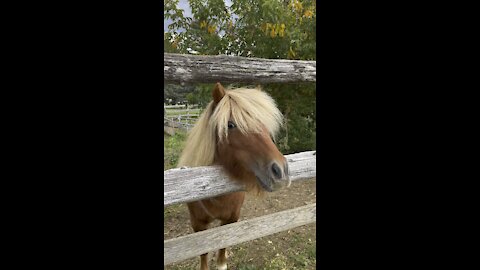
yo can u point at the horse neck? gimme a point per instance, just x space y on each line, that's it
237 172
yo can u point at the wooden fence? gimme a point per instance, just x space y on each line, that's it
183 185
179 117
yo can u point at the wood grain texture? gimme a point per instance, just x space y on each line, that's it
185 247
193 184
181 68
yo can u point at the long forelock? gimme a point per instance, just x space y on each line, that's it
199 149
249 109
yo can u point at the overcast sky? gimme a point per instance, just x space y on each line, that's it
187 12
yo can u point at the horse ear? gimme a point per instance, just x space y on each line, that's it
218 92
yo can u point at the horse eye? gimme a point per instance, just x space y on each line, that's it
231 125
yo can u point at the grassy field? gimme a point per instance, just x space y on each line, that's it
172 148
172 112
293 249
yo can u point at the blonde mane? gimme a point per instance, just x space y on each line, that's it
249 109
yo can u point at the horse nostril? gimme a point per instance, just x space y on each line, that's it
277 172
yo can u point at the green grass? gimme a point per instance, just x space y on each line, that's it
247 267
171 211
172 148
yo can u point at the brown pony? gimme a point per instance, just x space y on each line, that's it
235 131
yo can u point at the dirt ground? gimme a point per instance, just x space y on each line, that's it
292 249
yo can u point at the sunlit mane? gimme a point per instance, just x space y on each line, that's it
249 109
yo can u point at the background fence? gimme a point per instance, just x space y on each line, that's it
179 116
191 184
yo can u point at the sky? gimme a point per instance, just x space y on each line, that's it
187 12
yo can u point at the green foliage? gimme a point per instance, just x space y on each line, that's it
297 104
258 28
274 29
202 95
176 92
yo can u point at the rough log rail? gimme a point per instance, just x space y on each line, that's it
192 184
185 247
180 68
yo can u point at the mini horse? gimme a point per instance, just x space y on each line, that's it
235 131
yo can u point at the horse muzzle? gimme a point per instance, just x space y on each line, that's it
273 177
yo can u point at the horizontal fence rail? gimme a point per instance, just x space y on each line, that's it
191 106
176 123
193 184
193 111
181 68
185 247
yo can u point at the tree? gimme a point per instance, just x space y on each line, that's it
258 28
176 93
272 29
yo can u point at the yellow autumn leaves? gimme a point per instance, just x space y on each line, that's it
291 54
308 13
297 7
274 29
210 28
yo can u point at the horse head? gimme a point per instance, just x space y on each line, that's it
245 122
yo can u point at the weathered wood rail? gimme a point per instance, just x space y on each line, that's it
193 184
184 247
181 68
